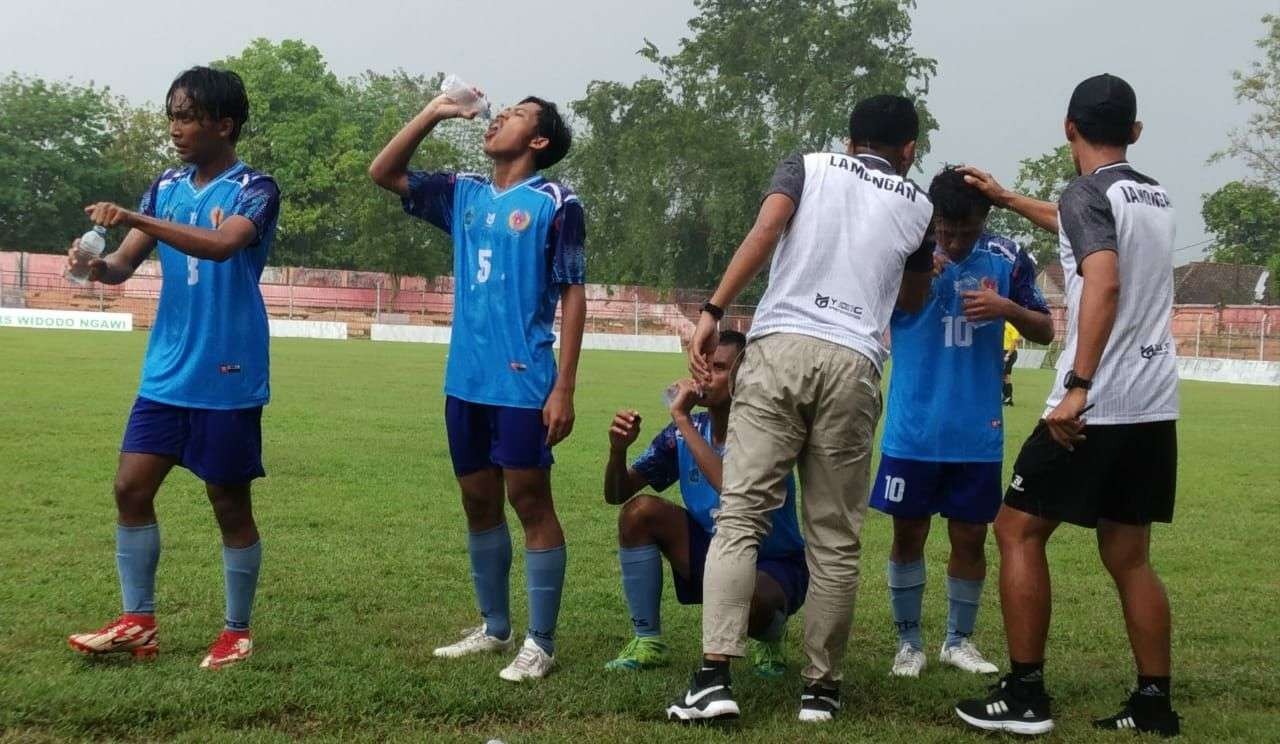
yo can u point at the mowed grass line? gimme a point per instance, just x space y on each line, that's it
366 571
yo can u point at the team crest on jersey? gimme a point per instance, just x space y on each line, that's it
518 221
989 283
469 217
215 217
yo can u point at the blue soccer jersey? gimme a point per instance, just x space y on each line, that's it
208 347
944 389
513 250
669 459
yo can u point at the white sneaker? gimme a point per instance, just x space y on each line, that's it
909 661
967 658
531 663
475 641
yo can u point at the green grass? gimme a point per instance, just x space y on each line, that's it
365 572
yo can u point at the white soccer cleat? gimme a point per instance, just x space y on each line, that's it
132 634
476 641
909 662
967 658
531 663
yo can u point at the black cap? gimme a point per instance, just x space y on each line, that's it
1104 101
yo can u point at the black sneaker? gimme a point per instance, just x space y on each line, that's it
1135 716
1008 401
819 703
1003 710
709 698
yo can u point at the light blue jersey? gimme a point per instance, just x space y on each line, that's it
944 390
513 250
208 347
669 459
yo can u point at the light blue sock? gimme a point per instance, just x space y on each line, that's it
137 555
490 553
544 580
964 597
240 567
906 595
642 585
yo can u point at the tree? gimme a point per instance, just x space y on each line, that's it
1259 143
1043 178
671 169
1245 222
63 146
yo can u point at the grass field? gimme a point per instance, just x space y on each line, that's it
365 572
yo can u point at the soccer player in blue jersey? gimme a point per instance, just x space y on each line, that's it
205 376
943 442
518 252
690 451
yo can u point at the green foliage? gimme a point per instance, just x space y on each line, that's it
1258 144
63 146
1043 178
673 168
1245 221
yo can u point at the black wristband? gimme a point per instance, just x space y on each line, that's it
715 311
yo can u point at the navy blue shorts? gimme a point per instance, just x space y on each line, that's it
483 436
914 489
790 571
221 447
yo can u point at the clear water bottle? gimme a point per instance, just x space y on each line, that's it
672 392
92 245
464 94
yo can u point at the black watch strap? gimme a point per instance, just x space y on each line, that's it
1076 381
714 311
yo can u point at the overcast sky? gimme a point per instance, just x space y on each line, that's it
1005 67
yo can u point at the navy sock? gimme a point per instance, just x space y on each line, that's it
1027 678
137 555
1153 692
544 580
712 673
906 596
240 569
490 552
642 585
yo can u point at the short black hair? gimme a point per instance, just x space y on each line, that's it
217 94
953 199
733 337
884 121
550 125
1104 109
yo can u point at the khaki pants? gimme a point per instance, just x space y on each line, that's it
812 403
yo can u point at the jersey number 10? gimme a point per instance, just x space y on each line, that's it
956 331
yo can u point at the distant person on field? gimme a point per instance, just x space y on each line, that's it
943 445
690 451
1117 473
1011 338
517 254
205 376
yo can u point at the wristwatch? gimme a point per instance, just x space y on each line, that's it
715 311
1076 381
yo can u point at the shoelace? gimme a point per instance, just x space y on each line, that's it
225 645
526 658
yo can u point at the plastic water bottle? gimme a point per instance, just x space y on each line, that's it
464 94
92 245
672 392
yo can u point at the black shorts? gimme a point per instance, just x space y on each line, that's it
1010 359
1124 473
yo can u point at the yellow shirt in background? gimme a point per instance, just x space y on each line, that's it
1011 336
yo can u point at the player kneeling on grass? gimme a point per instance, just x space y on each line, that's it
943 439
205 376
518 252
691 451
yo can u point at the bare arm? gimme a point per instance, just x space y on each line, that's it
219 244
620 481
751 256
1099 299
557 413
1034 325
1043 214
914 291
390 169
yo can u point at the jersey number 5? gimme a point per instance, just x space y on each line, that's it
193 271
486 267
956 331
